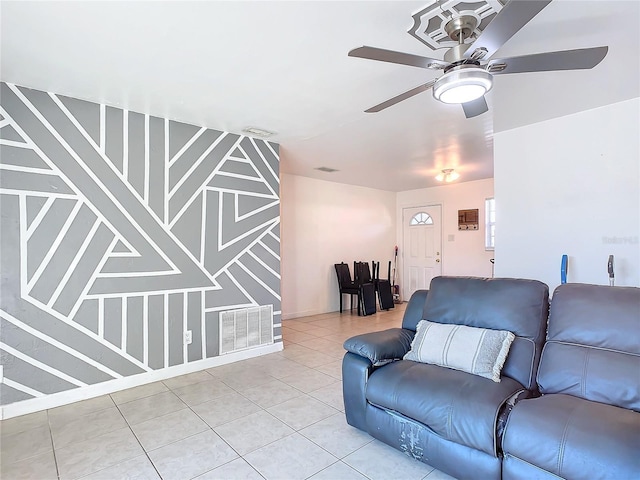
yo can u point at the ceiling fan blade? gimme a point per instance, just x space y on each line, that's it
513 16
390 56
475 107
579 59
401 97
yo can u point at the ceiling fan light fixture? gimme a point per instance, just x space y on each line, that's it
462 84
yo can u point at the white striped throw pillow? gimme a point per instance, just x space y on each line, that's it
479 351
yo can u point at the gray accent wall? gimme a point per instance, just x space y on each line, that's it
119 231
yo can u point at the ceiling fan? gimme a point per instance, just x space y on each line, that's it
469 67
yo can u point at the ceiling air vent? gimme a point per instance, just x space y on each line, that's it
326 169
258 132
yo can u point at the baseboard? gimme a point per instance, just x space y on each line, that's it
305 313
111 386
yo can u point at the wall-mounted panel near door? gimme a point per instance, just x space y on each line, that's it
422 252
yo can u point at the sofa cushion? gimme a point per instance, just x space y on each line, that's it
574 438
593 347
516 305
455 405
479 351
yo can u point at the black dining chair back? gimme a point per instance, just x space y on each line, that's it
346 285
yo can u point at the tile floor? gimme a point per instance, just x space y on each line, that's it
279 416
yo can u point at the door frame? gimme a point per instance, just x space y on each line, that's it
402 258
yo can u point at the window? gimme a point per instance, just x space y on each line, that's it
490 223
421 218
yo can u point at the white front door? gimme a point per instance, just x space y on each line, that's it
422 252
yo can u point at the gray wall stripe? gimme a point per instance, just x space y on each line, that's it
194 322
190 156
188 228
156 166
50 355
136 157
239 184
212 330
193 181
45 234
156 331
33 377
240 168
11 395
176 330
87 113
263 254
21 156
83 271
113 321
65 253
181 133
87 315
114 131
134 327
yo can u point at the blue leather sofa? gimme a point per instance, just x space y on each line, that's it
455 421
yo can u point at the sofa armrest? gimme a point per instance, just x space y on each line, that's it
381 347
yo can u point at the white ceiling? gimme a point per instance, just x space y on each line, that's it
283 66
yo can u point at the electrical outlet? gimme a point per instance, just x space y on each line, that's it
188 337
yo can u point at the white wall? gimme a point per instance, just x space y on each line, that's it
571 186
463 252
324 223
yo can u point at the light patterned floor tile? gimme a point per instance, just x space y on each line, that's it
336 436
225 409
188 379
40 467
291 458
150 407
237 470
21 445
97 453
331 395
63 414
137 468
338 471
161 431
253 431
24 422
381 462
272 393
301 412
136 393
192 456
203 391
87 426
313 380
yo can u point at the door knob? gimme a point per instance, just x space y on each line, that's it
437 260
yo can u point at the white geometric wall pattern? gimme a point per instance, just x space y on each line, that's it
119 231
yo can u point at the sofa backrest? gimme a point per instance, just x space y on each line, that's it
517 305
593 345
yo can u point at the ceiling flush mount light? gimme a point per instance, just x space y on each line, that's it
258 132
462 84
447 175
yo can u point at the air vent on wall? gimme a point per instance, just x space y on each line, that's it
326 169
246 328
